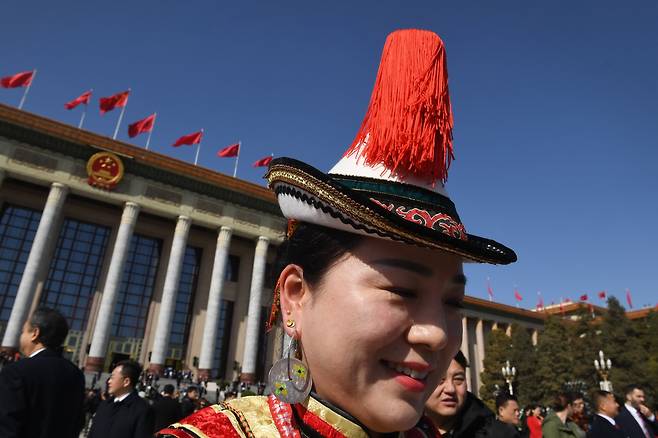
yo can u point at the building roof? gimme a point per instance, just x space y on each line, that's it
66 139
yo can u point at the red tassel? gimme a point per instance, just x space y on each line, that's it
408 125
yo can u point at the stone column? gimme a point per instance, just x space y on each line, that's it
479 339
169 291
535 336
103 325
25 294
464 349
213 310
508 330
253 313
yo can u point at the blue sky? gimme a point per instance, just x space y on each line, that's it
556 108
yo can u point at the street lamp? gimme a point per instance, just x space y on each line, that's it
509 373
603 367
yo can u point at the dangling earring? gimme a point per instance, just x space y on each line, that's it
289 377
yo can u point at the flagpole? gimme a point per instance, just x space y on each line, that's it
123 110
237 157
196 158
84 112
82 118
148 139
27 89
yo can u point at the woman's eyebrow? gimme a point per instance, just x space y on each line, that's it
408 265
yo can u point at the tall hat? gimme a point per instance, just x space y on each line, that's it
390 181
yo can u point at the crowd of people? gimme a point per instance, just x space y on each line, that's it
454 412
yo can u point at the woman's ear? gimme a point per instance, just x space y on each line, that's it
292 295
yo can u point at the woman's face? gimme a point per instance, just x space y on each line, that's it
379 330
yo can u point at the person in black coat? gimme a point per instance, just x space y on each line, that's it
454 411
167 409
42 395
635 412
125 414
603 423
190 403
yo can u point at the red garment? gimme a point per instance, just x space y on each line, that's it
119 100
18 80
534 424
83 98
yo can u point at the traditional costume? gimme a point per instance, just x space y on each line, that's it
389 184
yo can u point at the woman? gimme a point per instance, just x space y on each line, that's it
533 420
371 280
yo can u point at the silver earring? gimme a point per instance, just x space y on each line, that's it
289 378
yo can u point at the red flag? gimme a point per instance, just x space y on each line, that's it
189 139
23 79
602 295
517 295
583 297
489 290
140 126
229 151
540 301
263 162
83 98
628 298
119 100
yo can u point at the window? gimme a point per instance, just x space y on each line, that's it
232 268
17 229
223 339
180 325
137 286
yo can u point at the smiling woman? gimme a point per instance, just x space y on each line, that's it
371 282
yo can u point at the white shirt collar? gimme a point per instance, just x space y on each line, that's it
34 353
611 420
631 409
121 398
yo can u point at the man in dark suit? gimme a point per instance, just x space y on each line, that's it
603 423
42 395
125 414
167 409
634 417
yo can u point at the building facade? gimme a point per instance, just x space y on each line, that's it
152 258
165 262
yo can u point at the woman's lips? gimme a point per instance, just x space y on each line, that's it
402 373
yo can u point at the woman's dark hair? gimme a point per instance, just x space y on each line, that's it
315 249
52 326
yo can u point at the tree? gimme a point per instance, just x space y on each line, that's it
647 329
584 345
498 348
523 356
554 360
623 346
